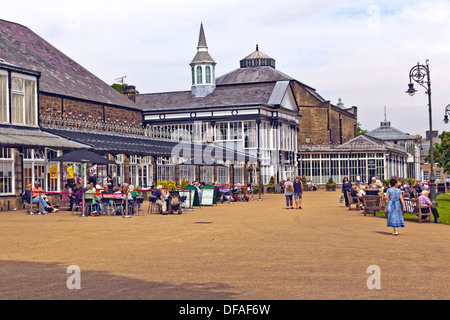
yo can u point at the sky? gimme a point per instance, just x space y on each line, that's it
359 51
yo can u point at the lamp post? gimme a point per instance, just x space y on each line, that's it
421 75
447 112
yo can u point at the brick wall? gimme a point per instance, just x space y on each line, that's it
76 109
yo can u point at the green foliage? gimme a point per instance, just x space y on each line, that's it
331 182
441 152
183 184
170 184
118 87
360 131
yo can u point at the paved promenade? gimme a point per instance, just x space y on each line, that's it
255 250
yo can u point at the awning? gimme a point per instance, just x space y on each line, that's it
34 138
83 156
117 143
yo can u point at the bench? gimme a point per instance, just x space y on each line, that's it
373 203
353 201
413 206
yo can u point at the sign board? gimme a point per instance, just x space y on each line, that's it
207 197
189 194
371 164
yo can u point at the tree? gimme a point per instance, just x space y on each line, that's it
360 131
441 152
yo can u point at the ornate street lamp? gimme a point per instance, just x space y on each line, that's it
421 75
447 112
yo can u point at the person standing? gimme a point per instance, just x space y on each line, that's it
288 193
298 192
395 207
346 186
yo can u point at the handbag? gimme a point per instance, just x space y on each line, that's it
290 187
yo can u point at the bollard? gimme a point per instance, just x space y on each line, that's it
126 208
40 203
83 205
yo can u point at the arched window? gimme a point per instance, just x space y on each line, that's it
208 74
199 75
193 75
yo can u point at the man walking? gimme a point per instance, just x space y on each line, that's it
298 192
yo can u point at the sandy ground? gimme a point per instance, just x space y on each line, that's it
244 251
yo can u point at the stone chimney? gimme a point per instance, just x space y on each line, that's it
129 92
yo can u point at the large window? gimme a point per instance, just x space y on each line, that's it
6 171
23 101
4 98
141 171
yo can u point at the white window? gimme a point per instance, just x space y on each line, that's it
207 174
208 74
199 75
223 175
6 171
23 100
187 173
4 109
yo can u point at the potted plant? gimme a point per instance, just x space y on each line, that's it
331 185
270 185
304 183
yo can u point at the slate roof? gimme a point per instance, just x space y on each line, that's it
60 74
362 143
262 74
220 97
117 143
34 138
389 133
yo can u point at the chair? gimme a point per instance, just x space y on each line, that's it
152 204
106 203
118 204
138 205
353 201
89 203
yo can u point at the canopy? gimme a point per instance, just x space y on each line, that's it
192 162
83 156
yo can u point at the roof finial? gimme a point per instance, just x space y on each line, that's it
257 49
385 113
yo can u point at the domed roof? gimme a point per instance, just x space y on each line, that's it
257 59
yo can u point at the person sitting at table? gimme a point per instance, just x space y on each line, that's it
160 198
117 194
107 193
66 196
45 204
166 194
127 195
91 194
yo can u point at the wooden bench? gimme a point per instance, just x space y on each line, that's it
373 203
353 201
413 206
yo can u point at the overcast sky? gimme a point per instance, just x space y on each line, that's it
360 51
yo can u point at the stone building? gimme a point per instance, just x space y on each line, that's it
260 109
